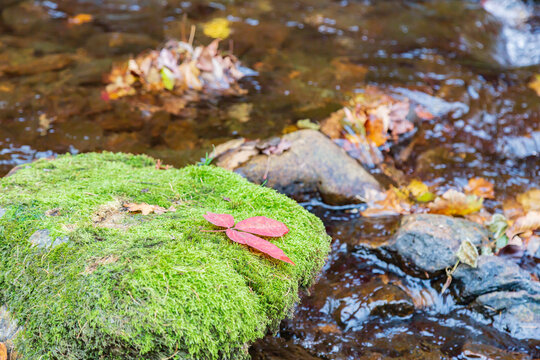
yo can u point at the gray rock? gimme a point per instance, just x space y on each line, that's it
313 163
522 321
42 239
503 300
8 326
427 243
493 273
520 147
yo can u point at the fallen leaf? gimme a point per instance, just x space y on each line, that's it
218 28
3 351
467 253
273 148
453 202
394 203
167 77
307 124
233 159
80 19
480 187
146 209
420 191
256 242
240 112
223 220
422 113
530 200
44 124
261 225
524 224
535 84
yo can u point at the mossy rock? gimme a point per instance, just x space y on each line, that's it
118 285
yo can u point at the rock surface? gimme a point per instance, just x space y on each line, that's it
313 163
427 243
42 239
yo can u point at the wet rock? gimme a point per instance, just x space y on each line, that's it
433 104
482 351
42 239
122 118
89 72
313 163
520 147
38 65
179 135
427 244
493 273
24 17
504 290
115 43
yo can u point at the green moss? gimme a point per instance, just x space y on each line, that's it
146 287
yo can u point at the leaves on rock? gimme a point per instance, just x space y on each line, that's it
498 226
480 187
243 232
454 202
420 191
467 253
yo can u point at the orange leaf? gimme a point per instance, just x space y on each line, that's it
147 209
394 203
80 19
453 202
480 187
524 224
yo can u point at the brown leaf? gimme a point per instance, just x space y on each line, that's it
394 203
480 187
146 209
524 224
453 202
233 159
332 126
103 261
530 200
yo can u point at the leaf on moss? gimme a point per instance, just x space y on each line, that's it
467 253
222 220
218 28
453 202
256 242
261 225
147 209
480 187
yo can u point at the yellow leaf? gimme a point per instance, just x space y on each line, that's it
218 28
147 209
453 202
535 84
524 224
420 191
480 187
80 19
467 253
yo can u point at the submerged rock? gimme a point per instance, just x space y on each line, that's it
427 244
312 164
157 286
520 147
24 17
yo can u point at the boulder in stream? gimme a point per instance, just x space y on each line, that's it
125 285
313 163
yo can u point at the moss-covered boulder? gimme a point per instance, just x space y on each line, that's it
87 279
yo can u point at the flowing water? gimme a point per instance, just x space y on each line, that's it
310 55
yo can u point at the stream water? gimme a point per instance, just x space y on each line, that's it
310 55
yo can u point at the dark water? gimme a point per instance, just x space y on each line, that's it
311 55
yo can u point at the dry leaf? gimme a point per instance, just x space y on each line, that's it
218 28
467 253
420 191
453 202
530 200
233 159
44 124
394 203
147 209
3 351
525 224
480 187
535 84
80 19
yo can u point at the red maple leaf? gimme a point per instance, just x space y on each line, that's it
243 232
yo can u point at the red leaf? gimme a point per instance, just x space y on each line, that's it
259 244
261 225
223 220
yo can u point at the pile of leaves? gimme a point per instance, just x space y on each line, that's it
179 73
368 122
